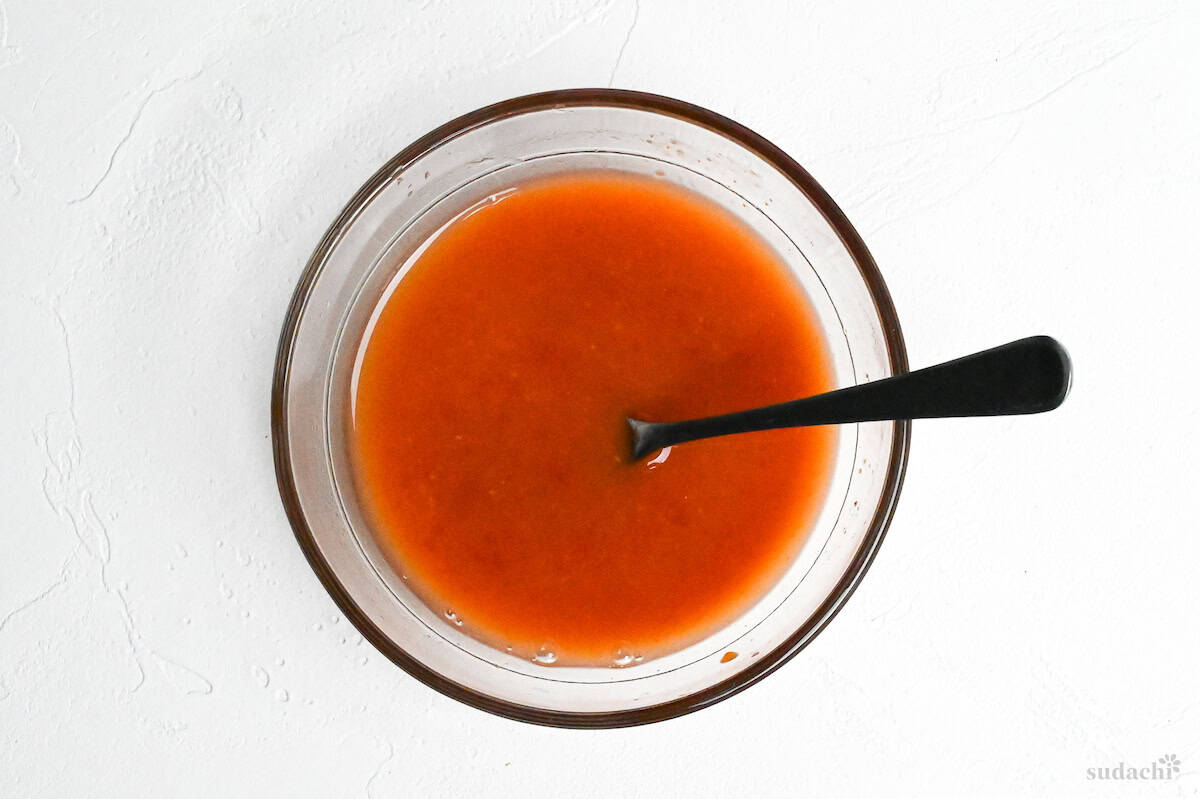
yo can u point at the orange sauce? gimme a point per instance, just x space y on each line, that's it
489 441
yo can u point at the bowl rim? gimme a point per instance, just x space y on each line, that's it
869 271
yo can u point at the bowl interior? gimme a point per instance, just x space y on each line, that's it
381 233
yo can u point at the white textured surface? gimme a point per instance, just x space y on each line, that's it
166 168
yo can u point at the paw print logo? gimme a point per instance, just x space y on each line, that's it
1170 763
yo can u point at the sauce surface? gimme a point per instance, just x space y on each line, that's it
488 434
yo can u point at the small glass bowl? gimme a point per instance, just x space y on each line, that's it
462 164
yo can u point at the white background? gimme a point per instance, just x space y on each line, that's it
1016 168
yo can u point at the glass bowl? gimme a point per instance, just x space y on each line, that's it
462 164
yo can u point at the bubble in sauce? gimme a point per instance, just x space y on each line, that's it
624 659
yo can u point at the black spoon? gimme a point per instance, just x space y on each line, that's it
1031 375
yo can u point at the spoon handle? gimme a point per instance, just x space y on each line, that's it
1030 375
